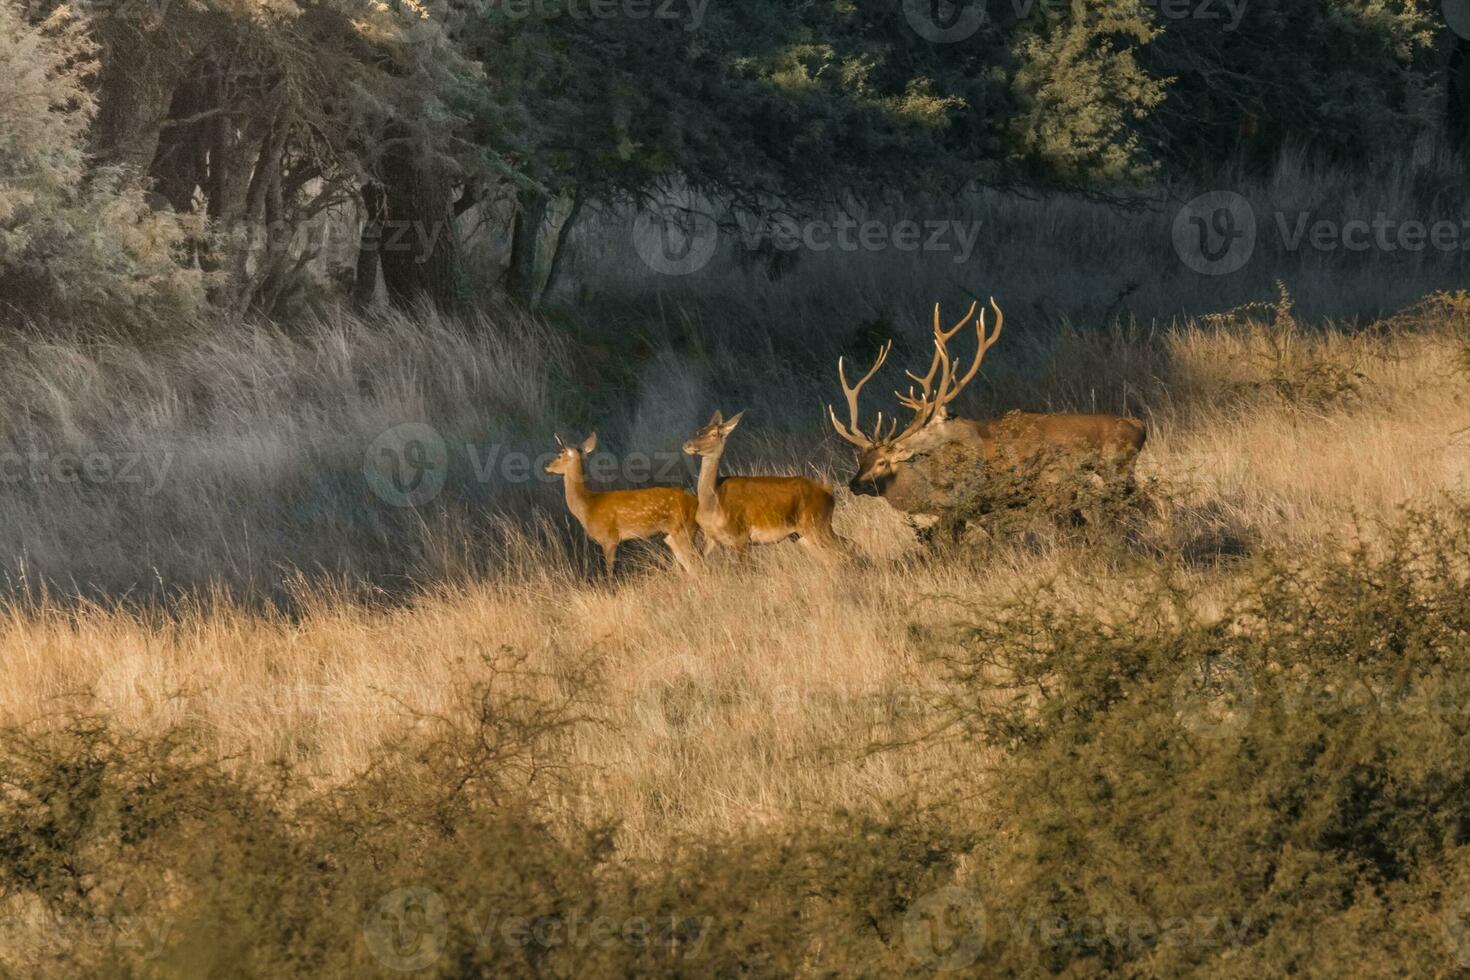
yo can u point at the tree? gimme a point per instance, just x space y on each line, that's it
1342 77
66 236
773 109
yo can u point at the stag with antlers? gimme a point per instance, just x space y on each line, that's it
937 460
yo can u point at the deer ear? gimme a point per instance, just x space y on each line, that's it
590 443
715 419
733 420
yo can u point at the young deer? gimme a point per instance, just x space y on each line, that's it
742 510
614 516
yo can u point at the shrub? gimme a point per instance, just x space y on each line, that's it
1183 790
147 856
1278 786
66 236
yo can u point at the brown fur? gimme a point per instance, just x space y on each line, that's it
613 516
931 464
743 510
1013 443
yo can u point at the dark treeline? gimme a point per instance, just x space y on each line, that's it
173 151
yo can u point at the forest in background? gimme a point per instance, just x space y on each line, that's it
265 156
271 710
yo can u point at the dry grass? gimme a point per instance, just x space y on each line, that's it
744 697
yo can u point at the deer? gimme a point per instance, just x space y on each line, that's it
739 511
937 460
611 517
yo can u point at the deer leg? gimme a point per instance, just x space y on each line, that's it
682 545
826 546
610 558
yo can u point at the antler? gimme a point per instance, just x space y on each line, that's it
934 405
853 432
941 356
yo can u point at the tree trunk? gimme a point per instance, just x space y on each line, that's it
538 233
369 253
561 229
135 87
525 243
1457 96
420 252
181 162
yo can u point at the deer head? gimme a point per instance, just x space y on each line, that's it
882 454
710 440
567 456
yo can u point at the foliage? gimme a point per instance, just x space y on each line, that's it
1349 79
1173 791
179 867
1191 785
68 236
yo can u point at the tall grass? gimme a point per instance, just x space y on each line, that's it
1055 258
365 682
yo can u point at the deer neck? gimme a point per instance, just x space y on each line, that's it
709 471
579 498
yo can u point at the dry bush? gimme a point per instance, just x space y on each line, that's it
1214 786
1170 783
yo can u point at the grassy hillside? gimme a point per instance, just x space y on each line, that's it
309 670
256 647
